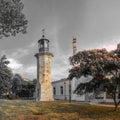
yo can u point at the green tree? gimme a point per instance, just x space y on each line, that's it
5 77
103 66
12 20
17 85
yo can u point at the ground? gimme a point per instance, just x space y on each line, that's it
57 110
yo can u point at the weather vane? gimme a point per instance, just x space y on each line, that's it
43 30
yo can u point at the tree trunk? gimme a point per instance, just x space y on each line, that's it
115 102
116 107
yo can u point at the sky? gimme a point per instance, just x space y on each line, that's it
94 23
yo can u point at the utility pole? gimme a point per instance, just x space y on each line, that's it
64 90
69 90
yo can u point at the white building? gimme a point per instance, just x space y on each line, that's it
64 90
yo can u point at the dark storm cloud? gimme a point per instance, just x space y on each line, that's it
95 24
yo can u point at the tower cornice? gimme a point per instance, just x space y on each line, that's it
44 53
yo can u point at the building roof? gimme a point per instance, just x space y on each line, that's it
61 80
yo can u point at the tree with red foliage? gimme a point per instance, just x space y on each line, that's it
103 66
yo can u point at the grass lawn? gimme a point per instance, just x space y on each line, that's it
31 110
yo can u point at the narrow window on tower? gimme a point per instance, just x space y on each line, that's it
54 90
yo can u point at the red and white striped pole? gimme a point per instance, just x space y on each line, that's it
74 43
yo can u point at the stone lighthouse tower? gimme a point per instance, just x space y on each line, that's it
44 58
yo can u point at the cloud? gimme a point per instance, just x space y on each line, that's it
30 70
60 67
110 47
14 64
23 51
19 53
109 44
62 73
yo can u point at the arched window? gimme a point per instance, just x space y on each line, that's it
61 89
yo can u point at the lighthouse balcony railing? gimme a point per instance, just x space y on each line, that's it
43 49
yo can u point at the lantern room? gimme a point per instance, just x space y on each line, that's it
43 44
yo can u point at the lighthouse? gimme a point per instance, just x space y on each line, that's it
44 88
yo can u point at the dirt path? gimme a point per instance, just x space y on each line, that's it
95 103
106 105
